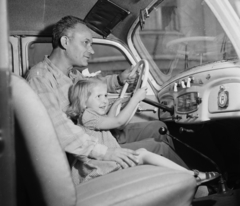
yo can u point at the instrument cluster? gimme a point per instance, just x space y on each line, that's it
209 93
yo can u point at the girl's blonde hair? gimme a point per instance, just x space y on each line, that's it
78 95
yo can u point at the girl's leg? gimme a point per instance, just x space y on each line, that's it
146 157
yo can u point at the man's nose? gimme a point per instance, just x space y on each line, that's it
90 50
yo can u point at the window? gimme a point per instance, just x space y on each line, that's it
108 59
37 51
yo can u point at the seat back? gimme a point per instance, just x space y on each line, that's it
42 164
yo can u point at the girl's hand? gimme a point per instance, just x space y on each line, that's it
140 94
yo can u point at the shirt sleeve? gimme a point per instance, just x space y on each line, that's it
90 119
112 83
111 80
73 138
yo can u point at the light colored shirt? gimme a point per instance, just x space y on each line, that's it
91 120
52 87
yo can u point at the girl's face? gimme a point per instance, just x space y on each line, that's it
98 100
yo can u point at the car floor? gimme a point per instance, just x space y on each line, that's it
230 198
221 144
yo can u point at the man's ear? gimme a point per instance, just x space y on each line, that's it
64 41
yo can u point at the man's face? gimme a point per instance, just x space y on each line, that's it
98 100
79 49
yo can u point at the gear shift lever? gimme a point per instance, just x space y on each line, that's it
222 183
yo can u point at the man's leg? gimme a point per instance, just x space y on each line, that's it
140 131
144 135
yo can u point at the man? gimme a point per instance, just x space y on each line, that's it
72 47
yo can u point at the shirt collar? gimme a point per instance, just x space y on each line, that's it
56 72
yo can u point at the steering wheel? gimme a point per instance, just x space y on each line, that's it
142 70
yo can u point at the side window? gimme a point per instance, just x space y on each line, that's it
37 51
108 59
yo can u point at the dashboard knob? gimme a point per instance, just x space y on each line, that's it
183 84
189 82
163 130
175 87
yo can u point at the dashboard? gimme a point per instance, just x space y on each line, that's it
205 93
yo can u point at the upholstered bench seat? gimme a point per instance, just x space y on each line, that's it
142 185
45 173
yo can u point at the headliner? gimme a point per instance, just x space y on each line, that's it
35 17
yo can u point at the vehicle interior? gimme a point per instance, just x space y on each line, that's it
192 50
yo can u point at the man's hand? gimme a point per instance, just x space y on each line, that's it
129 75
125 157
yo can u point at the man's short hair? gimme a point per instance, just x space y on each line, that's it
61 28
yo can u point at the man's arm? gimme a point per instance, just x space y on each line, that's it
72 138
113 85
111 80
116 82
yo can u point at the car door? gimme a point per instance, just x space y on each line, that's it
7 153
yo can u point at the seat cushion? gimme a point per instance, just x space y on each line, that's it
141 185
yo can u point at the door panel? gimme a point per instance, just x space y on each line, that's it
7 153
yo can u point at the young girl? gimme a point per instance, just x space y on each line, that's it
89 106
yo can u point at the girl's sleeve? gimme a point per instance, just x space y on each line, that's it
91 120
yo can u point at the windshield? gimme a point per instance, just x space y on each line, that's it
236 6
180 35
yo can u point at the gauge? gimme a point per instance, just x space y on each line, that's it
187 102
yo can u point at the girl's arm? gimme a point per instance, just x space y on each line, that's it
109 122
113 109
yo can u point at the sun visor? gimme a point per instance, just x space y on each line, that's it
104 16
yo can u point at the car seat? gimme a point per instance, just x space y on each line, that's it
44 177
